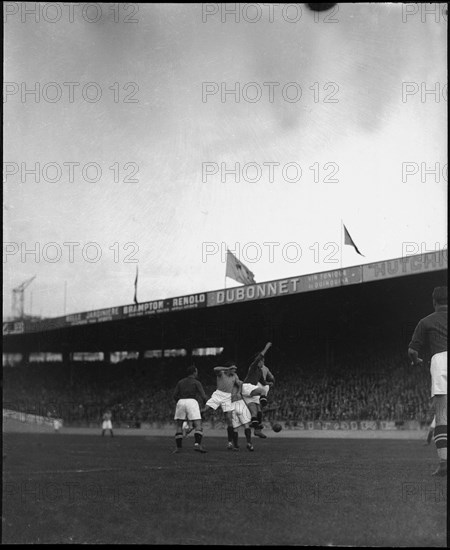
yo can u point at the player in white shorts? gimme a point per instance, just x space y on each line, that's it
227 382
241 417
187 393
253 388
430 335
107 423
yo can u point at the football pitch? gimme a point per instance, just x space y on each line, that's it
67 488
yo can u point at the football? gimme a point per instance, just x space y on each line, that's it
277 428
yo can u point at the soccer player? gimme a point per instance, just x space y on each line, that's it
267 381
107 423
227 380
431 335
251 393
241 417
187 393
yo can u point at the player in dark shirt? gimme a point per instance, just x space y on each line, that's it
187 394
430 336
252 389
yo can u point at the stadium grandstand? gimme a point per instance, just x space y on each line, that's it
339 349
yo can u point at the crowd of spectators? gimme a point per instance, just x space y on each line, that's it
382 386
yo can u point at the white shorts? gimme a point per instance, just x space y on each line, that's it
438 370
107 425
241 414
221 399
248 388
187 409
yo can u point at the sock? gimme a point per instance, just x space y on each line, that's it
248 435
430 435
440 439
179 439
235 438
103 433
254 421
259 416
112 435
263 401
198 434
230 434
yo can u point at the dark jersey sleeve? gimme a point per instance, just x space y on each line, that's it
176 393
418 339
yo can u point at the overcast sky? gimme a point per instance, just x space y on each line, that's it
351 123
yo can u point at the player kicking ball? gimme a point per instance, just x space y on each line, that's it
255 386
187 393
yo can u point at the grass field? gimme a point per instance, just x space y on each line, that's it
65 488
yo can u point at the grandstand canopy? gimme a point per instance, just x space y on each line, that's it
371 299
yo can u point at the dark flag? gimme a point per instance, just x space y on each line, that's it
135 286
238 271
348 240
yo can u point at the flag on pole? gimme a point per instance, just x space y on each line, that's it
348 240
236 270
135 286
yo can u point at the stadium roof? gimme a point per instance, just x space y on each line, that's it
399 267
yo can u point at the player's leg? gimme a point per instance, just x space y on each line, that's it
245 418
263 397
194 416
431 431
248 437
179 417
228 407
440 433
236 421
258 429
198 435
253 407
179 437
438 370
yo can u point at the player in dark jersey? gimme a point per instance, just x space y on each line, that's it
187 394
430 336
252 389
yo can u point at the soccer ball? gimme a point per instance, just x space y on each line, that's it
277 428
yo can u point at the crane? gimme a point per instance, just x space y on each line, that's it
18 298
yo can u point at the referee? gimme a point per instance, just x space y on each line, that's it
187 392
431 335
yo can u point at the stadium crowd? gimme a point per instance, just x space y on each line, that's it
382 387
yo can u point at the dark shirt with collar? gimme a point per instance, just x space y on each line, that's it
430 334
189 388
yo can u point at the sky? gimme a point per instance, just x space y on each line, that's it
148 120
